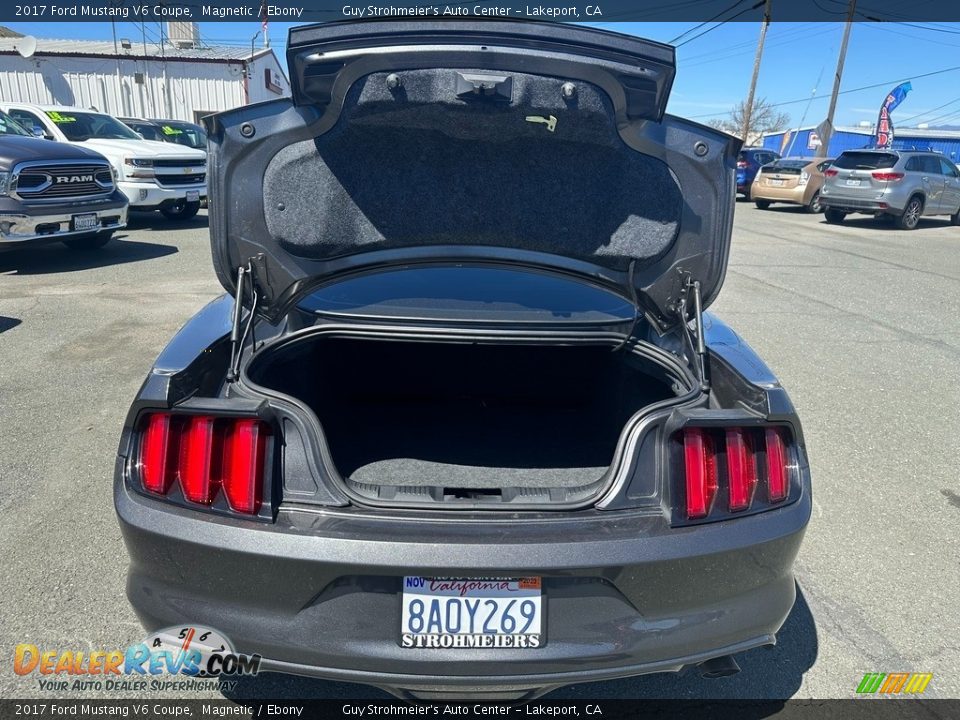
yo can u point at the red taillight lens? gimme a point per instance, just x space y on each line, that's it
206 454
199 479
158 460
243 462
892 176
742 164
777 477
701 466
741 469
830 172
734 460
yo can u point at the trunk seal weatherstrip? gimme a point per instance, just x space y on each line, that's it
615 478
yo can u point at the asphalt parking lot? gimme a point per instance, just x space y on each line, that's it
861 322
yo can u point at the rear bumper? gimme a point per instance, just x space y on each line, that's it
795 195
881 202
22 224
318 593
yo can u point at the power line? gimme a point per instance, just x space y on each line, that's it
852 90
932 110
706 22
723 22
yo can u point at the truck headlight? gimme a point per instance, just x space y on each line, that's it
138 168
4 183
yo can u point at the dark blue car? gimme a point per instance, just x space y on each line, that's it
748 164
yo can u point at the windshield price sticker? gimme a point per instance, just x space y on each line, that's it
59 117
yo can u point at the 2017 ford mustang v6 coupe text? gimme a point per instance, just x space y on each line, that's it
460 424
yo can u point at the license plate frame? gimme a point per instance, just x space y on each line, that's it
481 590
85 221
193 195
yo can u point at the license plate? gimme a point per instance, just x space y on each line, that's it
193 195
853 183
471 613
86 222
777 183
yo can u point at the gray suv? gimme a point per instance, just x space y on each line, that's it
904 184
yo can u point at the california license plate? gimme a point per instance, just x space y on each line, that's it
853 183
777 182
193 195
86 222
471 613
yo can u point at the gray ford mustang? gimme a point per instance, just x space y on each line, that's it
460 425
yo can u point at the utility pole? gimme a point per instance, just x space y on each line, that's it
748 110
828 123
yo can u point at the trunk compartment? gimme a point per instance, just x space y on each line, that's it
439 421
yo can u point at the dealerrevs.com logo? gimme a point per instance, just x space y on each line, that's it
189 652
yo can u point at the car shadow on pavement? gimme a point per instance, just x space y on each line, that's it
156 221
868 222
54 258
8 323
767 673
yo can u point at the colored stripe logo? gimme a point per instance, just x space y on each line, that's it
894 683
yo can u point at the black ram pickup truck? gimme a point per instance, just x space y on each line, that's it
55 192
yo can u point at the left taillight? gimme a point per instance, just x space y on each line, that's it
202 456
723 467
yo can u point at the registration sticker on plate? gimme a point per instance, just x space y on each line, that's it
471 613
86 222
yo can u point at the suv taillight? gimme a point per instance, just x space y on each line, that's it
204 455
728 464
741 164
892 176
829 172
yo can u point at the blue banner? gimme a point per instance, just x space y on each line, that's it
884 134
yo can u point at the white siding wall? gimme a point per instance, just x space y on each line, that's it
191 86
258 87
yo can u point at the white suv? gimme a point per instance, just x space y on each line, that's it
153 175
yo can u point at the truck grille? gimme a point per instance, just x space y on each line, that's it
169 180
63 181
179 163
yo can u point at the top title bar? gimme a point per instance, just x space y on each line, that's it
599 11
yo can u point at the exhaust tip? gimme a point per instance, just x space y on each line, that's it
718 667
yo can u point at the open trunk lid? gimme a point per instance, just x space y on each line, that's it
517 143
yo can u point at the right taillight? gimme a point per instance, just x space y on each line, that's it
887 176
727 464
202 455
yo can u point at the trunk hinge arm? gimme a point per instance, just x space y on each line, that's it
238 331
691 289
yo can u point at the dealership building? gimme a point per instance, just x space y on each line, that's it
804 142
179 78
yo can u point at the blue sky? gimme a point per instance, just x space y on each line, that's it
714 70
